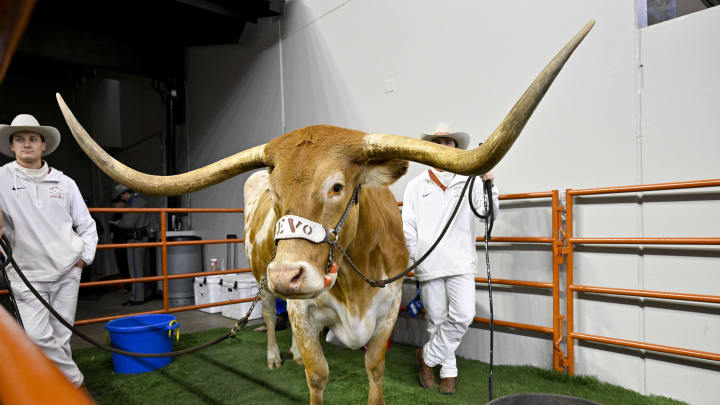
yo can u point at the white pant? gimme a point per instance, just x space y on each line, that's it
449 304
42 327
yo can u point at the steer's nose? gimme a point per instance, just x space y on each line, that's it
289 278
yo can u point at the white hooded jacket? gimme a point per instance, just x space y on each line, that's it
426 209
47 223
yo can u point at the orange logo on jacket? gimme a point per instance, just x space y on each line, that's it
55 192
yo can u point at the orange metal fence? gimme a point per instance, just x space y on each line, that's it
562 241
571 288
557 260
163 244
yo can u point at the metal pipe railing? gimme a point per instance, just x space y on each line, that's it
648 346
521 283
507 324
165 311
646 187
649 294
557 259
571 287
164 277
645 241
164 244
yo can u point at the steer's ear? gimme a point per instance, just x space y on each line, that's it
383 172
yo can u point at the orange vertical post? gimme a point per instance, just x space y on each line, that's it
163 239
558 354
569 294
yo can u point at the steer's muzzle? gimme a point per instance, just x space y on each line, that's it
295 279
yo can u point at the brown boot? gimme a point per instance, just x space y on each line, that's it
425 372
447 385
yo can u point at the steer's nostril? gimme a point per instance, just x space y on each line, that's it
298 276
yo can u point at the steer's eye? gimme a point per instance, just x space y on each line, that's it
337 188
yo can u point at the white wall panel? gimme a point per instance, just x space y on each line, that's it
233 104
693 383
680 141
681 94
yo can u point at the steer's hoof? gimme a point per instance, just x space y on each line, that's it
276 363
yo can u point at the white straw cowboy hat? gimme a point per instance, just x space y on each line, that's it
443 130
28 123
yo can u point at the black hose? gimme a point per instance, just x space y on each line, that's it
16 309
489 221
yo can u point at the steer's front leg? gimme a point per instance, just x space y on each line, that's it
305 333
268 312
376 348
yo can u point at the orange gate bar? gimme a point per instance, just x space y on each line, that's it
571 288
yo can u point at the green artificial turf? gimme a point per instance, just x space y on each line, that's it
235 372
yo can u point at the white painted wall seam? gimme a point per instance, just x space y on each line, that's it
282 81
638 66
316 19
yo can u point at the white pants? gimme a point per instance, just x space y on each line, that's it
449 304
42 327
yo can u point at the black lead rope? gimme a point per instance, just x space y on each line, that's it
5 245
382 283
16 309
489 221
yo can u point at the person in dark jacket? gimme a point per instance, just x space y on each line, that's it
135 228
116 236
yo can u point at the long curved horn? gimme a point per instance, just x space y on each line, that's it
484 158
197 179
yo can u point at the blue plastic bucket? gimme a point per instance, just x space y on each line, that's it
142 334
280 306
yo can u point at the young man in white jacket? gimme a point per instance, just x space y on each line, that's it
51 233
447 276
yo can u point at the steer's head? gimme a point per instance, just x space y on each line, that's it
314 171
313 179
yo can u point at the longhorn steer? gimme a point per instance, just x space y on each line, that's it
312 174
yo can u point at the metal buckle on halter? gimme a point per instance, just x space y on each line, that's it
331 236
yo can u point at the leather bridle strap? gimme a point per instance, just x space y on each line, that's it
296 227
354 200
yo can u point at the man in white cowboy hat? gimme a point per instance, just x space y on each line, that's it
135 228
447 276
51 233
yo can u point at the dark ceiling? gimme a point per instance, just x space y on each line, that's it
145 38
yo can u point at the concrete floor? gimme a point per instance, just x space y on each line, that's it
109 303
